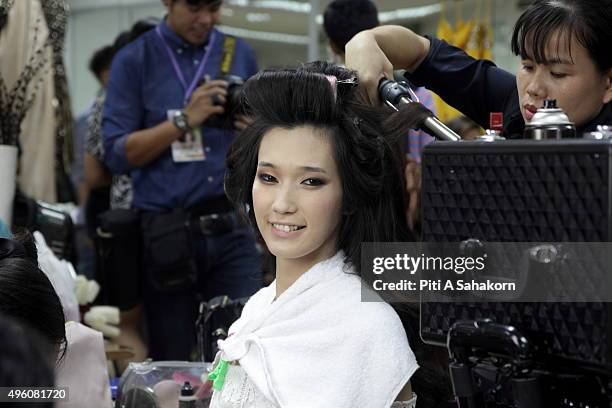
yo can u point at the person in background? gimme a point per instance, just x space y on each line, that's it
564 50
342 20
156 124
564 56
99 65
96 172
97 181
98 176
88 196
95 175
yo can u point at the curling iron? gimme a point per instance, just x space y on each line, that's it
399 93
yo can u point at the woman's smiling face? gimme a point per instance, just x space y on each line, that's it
297 194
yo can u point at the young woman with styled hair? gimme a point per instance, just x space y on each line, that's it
317 174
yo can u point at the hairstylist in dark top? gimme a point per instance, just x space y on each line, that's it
564 47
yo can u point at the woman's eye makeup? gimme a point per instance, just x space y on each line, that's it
313 182
266 178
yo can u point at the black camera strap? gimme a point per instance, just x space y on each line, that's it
229 47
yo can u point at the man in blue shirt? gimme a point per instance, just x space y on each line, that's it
155 127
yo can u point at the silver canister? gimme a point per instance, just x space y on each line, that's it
549 122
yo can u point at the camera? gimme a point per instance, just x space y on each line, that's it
233 104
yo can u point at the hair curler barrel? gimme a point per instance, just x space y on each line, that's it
399 93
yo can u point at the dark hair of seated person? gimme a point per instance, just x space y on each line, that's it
24 359
27 295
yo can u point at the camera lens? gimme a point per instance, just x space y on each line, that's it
233 105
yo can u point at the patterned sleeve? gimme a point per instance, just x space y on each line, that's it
93 137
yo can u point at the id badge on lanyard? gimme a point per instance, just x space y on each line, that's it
190 147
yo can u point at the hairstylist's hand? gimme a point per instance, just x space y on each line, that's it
365 56
207 100
242 121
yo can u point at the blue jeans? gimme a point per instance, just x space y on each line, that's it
227 264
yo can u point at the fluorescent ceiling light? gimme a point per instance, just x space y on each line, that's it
409 13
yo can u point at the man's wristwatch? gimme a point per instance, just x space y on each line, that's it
180 120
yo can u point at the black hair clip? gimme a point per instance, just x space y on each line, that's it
357 121
11 249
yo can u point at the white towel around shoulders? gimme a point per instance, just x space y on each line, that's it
319 345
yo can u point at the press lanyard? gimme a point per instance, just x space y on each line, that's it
188 89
